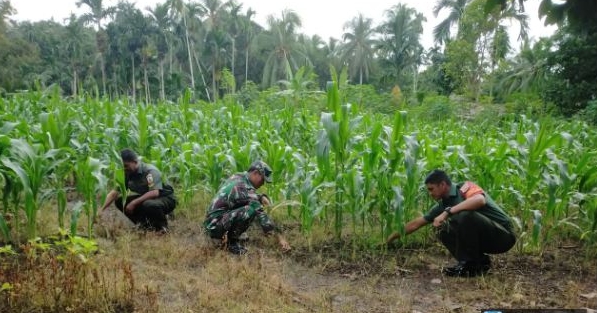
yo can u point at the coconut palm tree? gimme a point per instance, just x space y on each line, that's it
216 37
182 12
442 32
162 22
282 59
400 48
98 13
358 48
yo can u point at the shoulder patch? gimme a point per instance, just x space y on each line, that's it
149 180
470 189
465 187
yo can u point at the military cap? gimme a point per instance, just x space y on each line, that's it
262 168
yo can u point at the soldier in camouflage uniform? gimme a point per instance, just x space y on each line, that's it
468 222
237 204
149 199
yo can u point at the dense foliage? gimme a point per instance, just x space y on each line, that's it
215 48
335 165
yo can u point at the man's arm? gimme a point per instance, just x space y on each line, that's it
110 197
473 203
146 196
410 227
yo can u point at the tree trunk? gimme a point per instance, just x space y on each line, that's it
74 91
133 77
246 65
361 76
232 67
103 73
186 33
214 84
146 83
202 77
162 89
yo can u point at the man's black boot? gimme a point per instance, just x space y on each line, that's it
467 269
235 247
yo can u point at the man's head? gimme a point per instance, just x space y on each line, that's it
438 184
259 173
130 160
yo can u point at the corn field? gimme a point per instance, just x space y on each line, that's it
352 172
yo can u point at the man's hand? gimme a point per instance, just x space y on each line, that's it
264 199
283 244
440 219
130 207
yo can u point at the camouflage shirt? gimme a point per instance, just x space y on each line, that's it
235 193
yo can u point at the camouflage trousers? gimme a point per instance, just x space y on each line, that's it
234 222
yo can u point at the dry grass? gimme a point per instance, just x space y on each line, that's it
184 272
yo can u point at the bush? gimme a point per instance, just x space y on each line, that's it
589 114
435 108
529 104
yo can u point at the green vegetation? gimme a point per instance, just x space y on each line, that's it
352 171
349 149
215 49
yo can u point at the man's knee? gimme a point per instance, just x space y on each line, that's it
466 216
155 204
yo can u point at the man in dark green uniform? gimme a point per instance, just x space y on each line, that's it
237 204
469 223
148 200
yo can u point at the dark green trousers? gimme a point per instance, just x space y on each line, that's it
151 214
468 235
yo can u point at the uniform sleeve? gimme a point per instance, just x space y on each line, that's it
433 213
239 195
470 189
154 180
266 223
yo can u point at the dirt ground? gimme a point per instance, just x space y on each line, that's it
188 274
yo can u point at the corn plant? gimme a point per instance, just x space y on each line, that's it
90 181
31 165
337 125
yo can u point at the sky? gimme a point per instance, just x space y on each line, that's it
325 18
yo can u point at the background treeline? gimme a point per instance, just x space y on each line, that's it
215 48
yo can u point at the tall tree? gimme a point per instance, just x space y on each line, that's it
162 22
249 33
76 45
6 10
98 13
442 31
282 59
182 12
216 38
400 48
358 49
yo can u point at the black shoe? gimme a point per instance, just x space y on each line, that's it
235 247
466 269
485 262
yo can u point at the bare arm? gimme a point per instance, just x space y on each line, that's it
410 227
112 195
470 204
146 196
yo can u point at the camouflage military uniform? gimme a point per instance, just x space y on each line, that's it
151 214
236 205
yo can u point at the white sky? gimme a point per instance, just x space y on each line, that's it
325 18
